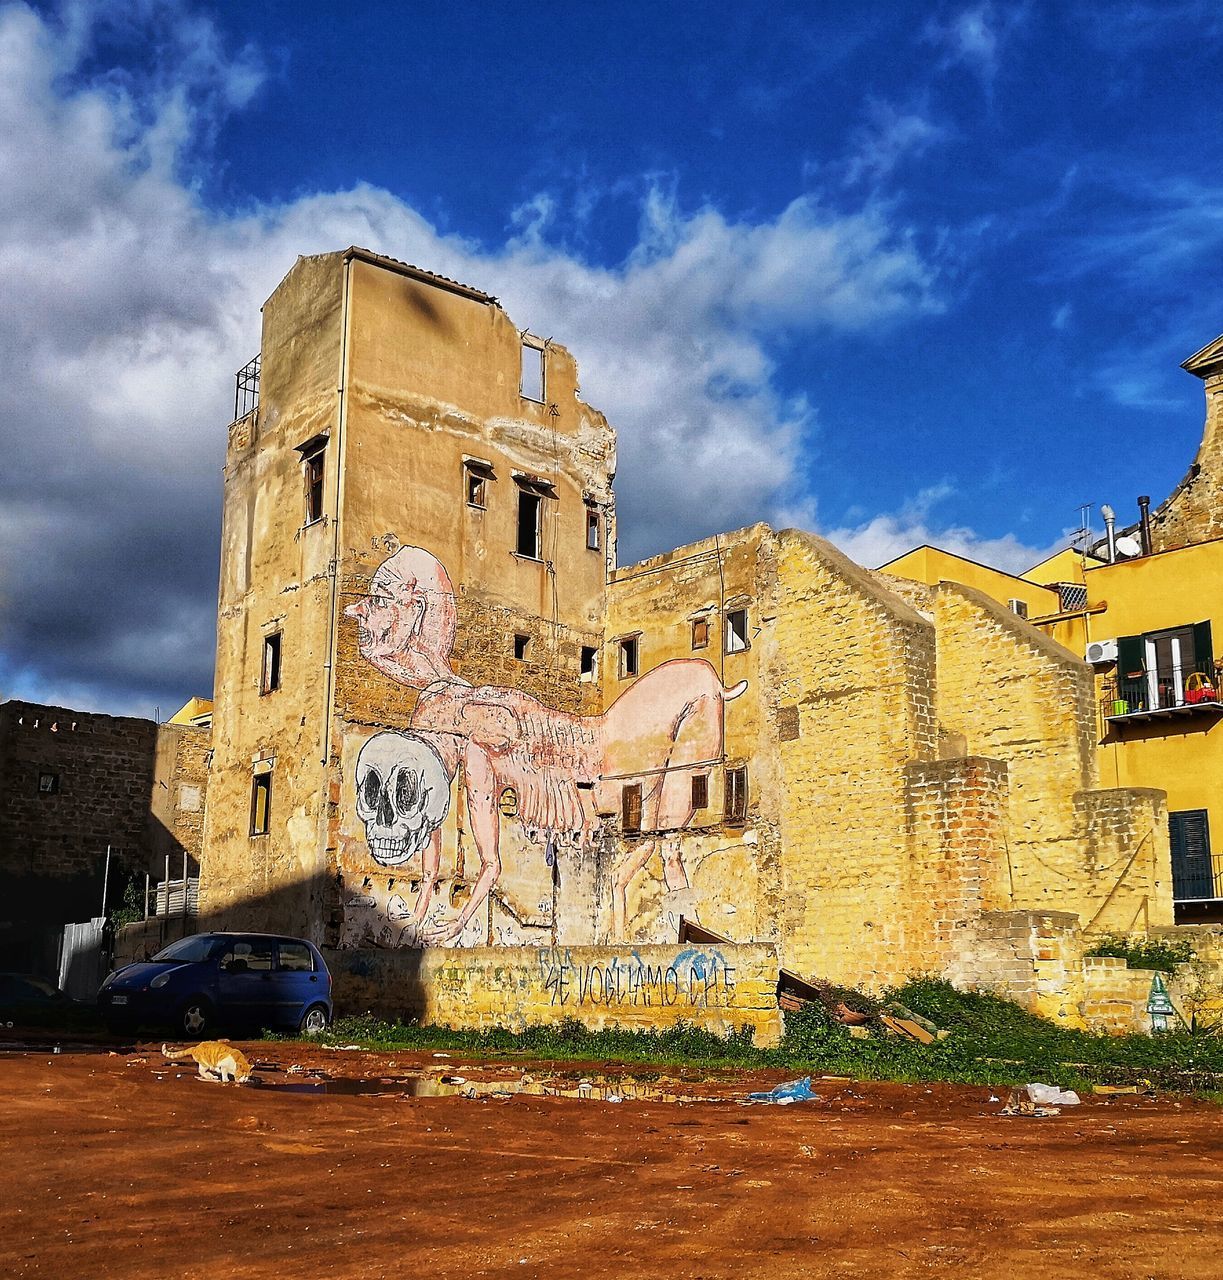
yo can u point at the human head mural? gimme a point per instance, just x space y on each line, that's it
407 622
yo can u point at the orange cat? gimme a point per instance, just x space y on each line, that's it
216 1060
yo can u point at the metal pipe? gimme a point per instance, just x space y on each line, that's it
1144 523
105 879
1110 530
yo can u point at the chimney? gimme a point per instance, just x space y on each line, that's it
1144 523
1110 529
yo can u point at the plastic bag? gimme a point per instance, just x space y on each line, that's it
784 1094
1050 1095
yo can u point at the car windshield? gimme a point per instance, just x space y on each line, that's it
189 949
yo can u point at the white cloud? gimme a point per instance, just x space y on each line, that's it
130 305
889 137
974 37
880 538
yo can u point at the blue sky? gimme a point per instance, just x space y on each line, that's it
898 273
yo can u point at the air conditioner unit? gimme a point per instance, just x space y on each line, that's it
1018 606
1101 651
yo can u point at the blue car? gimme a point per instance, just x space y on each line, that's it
209 979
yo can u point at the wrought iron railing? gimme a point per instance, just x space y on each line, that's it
1197 879
246 389
1177 689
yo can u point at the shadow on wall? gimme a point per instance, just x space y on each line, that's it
287 910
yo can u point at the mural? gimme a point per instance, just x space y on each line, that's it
555 774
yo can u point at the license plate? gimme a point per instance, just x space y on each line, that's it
118 999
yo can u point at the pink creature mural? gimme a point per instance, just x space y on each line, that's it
564 768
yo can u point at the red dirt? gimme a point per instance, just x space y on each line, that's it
110 1171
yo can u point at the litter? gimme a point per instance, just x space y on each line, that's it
1020 1104
1110 1090
1051 1095
784 1094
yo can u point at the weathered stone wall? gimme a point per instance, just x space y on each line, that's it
179 798
1126 870
956 812
1194 511
1031 957
855 667
731 868
53 843
722 988
276 578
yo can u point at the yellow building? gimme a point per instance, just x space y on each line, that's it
1145 609
500 775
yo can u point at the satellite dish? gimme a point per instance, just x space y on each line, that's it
1128 547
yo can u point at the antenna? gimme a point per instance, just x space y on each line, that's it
1081 537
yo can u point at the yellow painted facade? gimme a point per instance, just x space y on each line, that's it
1152 731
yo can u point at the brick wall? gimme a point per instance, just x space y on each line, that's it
1031 957
956 815
53 843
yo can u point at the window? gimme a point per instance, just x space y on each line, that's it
628 657
270 680
592 528
700 633
247 955
735 806
630 809
295 957
531 384
589 656
700 791
529 511
313 463
1071 596
1194 876
48 784
1165 669
736 631
261 803
476 475
520 647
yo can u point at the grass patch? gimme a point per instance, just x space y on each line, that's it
992 1041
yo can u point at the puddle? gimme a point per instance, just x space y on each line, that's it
433 1085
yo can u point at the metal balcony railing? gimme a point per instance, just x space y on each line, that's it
246 389
1173 692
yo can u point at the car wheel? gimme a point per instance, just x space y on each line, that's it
314 1021
195 1018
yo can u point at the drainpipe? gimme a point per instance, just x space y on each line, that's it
334 569
1110 528
1144 523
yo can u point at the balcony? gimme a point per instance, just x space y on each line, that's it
1164 695
246 389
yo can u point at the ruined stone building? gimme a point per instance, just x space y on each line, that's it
74 784
504 777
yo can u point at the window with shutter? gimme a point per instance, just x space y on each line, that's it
1193 873
734 810
631 809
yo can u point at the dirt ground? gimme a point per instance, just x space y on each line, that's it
124 1165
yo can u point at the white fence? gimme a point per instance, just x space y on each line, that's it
81 968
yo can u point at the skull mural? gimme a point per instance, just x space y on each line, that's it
403 795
